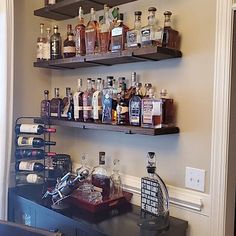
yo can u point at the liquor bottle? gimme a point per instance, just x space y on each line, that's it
29 166
49 2
116 183
135 105
55 44
46 45
32 129
91 37
104 31
118 35
167 109
151 111
22 178
93 84
66 102
22 141
122 108
45 106
78 102
151 34
40 42
56 105
132 89
100 177
97 102
70 112
32 153
69 43
134 35
107 102
87 102
170 36
80 35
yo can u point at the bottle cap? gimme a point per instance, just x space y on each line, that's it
55 27
46 92
137 13
152 9
167 13
89 79
121 17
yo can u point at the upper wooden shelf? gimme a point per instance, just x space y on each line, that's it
115 128
68 9
109 59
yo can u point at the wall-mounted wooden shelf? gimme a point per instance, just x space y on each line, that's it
109 59
68 9
114 128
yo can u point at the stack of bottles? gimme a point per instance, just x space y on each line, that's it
109 34
112 104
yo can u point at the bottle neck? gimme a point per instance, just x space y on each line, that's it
89 85
167 22
137 22
92 16
151 18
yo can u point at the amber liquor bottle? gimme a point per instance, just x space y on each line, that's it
80 35
87 102
56 105
45 106
69 43
91 36
55 44
78 102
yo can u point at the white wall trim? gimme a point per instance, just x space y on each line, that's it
221 115
179 197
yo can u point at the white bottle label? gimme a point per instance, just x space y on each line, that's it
25 165
51 1
117 31
31 178
27 128
157 107
40 50
147 111
46 51
25 141
87 108
69 49
96 107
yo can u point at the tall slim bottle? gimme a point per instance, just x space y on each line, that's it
55 44
78 102
87 102
80 34
97 102
46 45
40 42
66 102
45 106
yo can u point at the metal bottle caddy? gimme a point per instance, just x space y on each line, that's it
154 199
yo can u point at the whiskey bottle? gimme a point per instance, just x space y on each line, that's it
118 35
32 153
29 166
135 104
107 102
100 177
104 31
134 35
22 141
78 102
66 103
40 42
45 106
151 34
97 102
33 129
116 183
122 108
70 112
80 35
46 45
56 105
69 43
55 44
91 37
87 102
170 36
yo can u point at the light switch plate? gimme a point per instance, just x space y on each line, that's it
195 179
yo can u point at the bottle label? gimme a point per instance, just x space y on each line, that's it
27 128
89 30
157 107
55 46
87 108
40 50
25 141
117 31
54 114
147 111
46 51
95 103
132 38
25 165
107 109
31 178
122 109
158 37
51 1
69 49
134 112
146 35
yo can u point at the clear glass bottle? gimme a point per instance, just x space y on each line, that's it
69 43
55 44
104 31
46 45
66 102
40 42
97 102
119 35
56 105
171 37
107 102
151 34
80 35
116 183
135 107
100 177
91 36
87 102
70 112
45 106
134 35
78 102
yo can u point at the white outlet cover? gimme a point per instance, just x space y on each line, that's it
195 179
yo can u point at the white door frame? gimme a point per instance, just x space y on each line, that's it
221 115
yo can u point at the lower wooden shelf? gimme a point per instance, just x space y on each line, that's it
114 128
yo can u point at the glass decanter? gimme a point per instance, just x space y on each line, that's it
116 184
